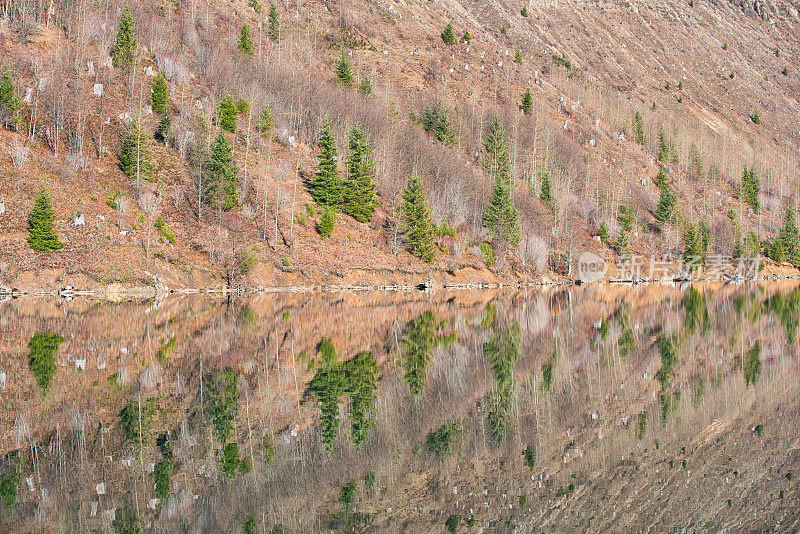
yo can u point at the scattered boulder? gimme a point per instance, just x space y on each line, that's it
78 220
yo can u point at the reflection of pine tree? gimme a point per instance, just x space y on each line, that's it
41 358
502 351
356 378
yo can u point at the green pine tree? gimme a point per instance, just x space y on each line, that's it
359 188
9 104
134 158
274 24
638 128
266 121
159 99
162 132
326 187
245 40
751 187
789 239
343 71
326 223
42 236
755 117
256 5
365 88
546 192
220 171
227 115
524 11
666 205
527 102
124 50
436 120
418 228
449 35
518 55
500 216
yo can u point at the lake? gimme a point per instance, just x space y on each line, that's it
596 408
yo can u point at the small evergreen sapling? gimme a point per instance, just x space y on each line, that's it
449 35
327 223
227 115
527 102
9 104
42 236
159 100
124 50
220 181
162 132
343 71
274 24
418 229
245 40
134 158
500 216
359 189
265 122
326 186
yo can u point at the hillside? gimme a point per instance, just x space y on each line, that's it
698 74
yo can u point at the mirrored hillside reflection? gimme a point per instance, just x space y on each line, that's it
583 409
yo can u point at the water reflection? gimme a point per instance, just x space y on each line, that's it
583 409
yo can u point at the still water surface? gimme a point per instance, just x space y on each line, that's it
583 409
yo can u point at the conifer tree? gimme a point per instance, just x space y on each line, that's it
159 99
545 192
265 121
226 114
220 182
326 187
638 128
418 228
124 50
256 5
751 187
500 216
359 188
274 24
245 40
448 35
41 235
518 55
9 104
666 205
789 239
365 88
524 11
162 132
343 71
134 158
326 223
527 102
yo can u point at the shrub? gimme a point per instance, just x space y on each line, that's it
269 451
524 11
602 232
127 521
249 525
754 117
